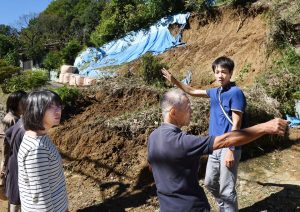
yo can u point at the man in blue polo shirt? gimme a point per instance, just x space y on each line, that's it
227 106
174 155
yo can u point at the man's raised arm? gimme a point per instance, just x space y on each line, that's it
186 88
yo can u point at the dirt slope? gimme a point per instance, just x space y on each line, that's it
106 144
239 35
104 147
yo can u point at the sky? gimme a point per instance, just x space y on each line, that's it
12 10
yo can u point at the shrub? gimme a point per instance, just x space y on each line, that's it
53 60
12 58
198 5
151 69
70 52
283 34
296 95
244 72
68 95
26 81
121 17
282 80
7 71
242 3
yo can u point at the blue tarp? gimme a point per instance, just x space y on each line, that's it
294 122
156 40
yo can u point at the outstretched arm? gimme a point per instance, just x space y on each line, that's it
186 88
240 137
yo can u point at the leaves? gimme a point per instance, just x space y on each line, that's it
26 81
151 69
282 80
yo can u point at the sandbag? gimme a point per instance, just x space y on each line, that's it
68 69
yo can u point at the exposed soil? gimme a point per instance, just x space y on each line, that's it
104 142
106 165
268 183
239 35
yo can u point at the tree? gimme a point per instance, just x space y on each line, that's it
7 71
120 17
53 60
70 52
31 39
8 40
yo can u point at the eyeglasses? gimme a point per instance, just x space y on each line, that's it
56 108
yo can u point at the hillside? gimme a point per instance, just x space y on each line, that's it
236 34
104 147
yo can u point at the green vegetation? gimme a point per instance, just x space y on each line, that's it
68 26
198 5
59 33
244 72
7 71
67 94
296 95
282 80
9 44
53 60
120 17
151 69
26 81
284 34
70 52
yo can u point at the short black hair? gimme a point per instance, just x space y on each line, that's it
37 103
13 101
224 62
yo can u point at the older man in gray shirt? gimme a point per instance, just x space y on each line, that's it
174 155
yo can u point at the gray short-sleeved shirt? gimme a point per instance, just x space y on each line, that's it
174 158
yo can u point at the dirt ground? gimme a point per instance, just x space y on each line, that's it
104 143
267 183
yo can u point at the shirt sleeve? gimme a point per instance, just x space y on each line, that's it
238 101
198 145
37 166
208 92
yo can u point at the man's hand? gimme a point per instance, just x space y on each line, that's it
229 158
167 75
276 126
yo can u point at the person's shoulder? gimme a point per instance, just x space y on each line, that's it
9 131
9 119
155 130
236 89
35 143
45 142
211 91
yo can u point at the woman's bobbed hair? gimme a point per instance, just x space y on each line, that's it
37 103
13 102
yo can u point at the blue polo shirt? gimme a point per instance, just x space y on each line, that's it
233 99
174 157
